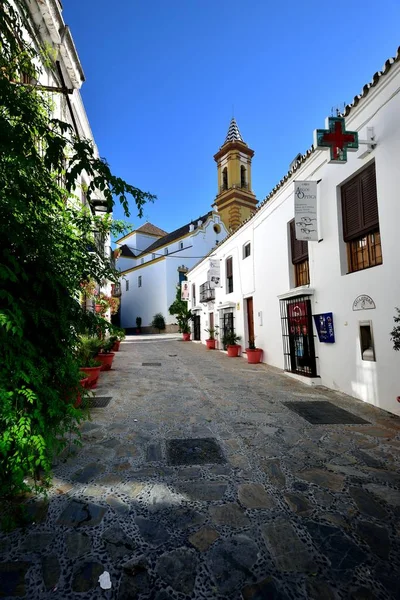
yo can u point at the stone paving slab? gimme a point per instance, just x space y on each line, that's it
274 508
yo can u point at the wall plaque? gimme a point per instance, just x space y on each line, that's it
363 302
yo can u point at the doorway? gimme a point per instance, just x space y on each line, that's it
250 320
196 328
298 336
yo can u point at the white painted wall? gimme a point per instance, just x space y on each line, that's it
159 283
339 365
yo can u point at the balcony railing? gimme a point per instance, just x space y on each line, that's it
207 294
236 186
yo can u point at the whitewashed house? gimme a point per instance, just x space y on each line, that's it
274 285
62 79
153 262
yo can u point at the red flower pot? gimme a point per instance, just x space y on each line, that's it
186 337
115 348
254 355
98 308
233 350
92 374
106 360
210 344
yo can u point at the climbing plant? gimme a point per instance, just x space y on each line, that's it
47 251
395 333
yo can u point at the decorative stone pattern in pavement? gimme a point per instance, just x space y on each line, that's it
249 502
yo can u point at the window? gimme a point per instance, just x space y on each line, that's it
225 179
139 281
180 245
127 285
193 294
367 341
361 221
299 258
243 182
229 275
246 250
165 251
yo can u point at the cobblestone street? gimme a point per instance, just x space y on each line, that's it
198 481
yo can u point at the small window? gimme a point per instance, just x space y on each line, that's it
139 281
225 179
300 261
153 256
180 245
127 285
246 250
367 341
229 275
217 228
243 182
141 261
165 250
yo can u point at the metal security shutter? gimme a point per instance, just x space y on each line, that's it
360 205
299 247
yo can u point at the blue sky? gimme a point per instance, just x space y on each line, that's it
163 79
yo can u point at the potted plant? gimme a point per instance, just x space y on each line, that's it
101 303
253 354
230 340
138 324
395 335
88 348
117 337
186 331
158 322
105 355
210 342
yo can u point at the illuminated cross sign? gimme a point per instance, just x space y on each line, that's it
337 139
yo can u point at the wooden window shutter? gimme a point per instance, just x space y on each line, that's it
229 272
299 247
360 205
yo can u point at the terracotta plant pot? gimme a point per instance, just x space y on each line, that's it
92 374
254 355
98 308
233 350
106 360
210 344
138 330
115 348
84 382
186 337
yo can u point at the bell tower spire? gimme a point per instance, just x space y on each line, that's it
235 200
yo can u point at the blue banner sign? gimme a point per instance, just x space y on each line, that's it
324 325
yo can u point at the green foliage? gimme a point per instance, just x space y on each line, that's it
179 308
158 322
212 332
395 333
44 258
230 338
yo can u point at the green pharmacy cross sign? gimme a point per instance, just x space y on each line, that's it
337 139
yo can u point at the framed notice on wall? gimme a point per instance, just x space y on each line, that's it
324 326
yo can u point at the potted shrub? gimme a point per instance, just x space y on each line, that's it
230 340
138 324
158 322
186 331
211 341
105 355
87 350
253 354
117 337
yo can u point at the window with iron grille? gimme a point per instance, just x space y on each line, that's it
139 281
246 250
299 249
127 285
229 275
361 221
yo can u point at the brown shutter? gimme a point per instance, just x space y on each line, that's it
360 205
299 247
229 267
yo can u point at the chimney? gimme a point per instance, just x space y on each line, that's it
191 227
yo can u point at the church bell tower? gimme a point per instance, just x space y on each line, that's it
235 200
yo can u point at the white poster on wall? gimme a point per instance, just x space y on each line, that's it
184 290
214 273
305 210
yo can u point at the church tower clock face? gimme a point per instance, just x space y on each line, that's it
235 200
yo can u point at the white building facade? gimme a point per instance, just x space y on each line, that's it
273 286
153 262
